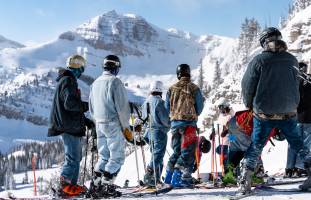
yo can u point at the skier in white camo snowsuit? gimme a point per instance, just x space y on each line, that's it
109 108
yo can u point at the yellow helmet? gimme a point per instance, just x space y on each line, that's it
76 61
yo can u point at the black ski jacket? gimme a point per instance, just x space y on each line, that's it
304 108
67 114
270 84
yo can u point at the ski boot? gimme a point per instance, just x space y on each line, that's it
168 176
301 172
66 189
245 180
108 179
187 182
288 173
306 186
186 179
102 186
149 178
176 178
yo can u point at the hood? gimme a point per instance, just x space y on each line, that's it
64 72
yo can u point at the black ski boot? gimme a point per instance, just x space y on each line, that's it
149 178
288 173
103 186
302 172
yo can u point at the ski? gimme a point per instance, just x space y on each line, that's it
280 190
147 191
210 185
281 182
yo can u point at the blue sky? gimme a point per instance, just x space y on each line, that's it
34 21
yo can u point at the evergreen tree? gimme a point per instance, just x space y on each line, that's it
206 90
201 78
217 75
250 30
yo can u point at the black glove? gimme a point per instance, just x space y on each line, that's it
138 128
85 106
89 123
212 135
224 133
140 142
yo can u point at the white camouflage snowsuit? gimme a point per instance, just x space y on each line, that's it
109 107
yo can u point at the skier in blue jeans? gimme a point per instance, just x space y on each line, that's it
270 88
185 103
67 119
156 133
294 165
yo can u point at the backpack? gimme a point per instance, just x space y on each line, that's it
244 120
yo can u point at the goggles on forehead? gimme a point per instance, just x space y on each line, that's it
115 63
76 63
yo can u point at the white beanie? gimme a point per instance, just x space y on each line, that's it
156 86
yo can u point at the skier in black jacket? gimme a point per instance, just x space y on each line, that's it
294 165
270 88
67 119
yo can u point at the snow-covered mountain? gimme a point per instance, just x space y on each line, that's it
6 43
147 53
298 34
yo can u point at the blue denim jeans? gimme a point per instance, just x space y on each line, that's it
261 131
158 139
111 147
183 158
304 130
73 156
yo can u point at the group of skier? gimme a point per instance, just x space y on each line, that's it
270 91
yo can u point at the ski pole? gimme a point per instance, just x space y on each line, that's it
93 150
135 150
213 150
222 158
152 149
143 154
87 145
197 154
